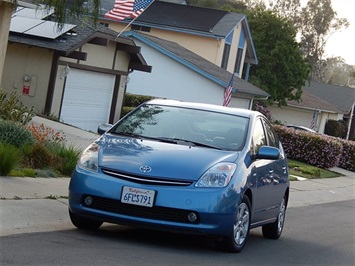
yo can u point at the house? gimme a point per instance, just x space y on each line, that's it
342 97
77 72
325 101
220 37
183 75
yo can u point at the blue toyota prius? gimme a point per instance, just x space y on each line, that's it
187 167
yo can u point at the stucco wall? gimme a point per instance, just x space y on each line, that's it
302 117
212 48
5 20
170 79
22 60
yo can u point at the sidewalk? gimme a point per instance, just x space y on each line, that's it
302 193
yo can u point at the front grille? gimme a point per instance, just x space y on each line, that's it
147 180
155 212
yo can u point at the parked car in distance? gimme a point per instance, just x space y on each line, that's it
297 127
186 167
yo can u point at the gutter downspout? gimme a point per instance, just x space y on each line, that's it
350 121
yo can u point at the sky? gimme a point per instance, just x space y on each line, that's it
343 43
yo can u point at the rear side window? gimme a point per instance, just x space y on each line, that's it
270 134
259 138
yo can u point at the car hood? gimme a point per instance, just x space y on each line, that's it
164 160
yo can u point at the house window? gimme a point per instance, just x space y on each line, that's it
226 51
140 28
238 61
104 24
225 57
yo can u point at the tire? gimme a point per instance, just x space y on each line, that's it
236 241
274 230
84 223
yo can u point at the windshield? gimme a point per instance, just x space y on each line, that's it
219 130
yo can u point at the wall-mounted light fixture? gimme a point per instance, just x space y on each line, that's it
27 78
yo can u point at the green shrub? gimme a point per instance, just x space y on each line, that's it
315 149
12 109
64 158
133 100
15 134
25 172
9 158
36 156
347 160
336 128
126 110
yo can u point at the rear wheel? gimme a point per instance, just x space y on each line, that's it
274 230
236 241
84 223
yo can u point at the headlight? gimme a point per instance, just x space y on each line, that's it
217 176
89 158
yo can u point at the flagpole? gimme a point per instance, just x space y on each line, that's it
118 35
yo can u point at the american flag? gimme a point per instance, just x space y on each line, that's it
127 8
228 92
314 120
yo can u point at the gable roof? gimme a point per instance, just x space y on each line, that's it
341 97
312 102
198 64
195 20
82 33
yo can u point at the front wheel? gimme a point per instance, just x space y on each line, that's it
236 241
84 223
274 230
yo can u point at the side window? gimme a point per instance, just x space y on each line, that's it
259 138
271 137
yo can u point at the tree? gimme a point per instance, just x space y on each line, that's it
282 70
64 9
315 23
336 71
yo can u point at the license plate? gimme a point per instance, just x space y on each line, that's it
138 196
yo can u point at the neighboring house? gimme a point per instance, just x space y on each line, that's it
326 101
78 74
183 75
220 37
342 97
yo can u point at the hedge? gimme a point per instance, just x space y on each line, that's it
315 149
347 159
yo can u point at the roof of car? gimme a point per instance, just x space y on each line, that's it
206 106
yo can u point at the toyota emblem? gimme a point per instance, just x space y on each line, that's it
145 168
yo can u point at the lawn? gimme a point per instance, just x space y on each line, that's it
307 171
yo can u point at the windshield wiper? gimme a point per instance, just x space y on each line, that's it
190 142
126 134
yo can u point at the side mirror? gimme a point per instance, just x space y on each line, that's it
103 128
268 153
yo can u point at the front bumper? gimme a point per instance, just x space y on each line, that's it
214 207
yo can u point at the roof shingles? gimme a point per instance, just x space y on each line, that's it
213 70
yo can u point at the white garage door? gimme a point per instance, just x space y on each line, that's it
87 99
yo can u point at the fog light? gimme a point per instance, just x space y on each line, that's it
88 200
192 217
